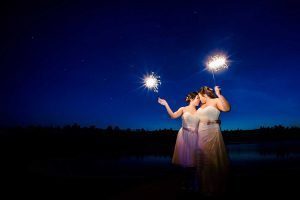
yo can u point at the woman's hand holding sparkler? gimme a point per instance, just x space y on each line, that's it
218 90
222 103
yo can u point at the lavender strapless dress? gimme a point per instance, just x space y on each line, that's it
186 142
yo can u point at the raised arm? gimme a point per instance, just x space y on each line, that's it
222 103
172 114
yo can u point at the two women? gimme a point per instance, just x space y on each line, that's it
199 144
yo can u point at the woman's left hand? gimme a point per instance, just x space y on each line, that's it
217 90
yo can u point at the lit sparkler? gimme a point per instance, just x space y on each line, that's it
216 63
152 82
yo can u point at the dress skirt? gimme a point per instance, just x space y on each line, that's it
186 147
212 160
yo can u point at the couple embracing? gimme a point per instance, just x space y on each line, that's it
199 148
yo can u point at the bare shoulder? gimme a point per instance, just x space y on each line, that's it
183 108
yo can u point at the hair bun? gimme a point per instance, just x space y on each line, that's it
187 99
191 96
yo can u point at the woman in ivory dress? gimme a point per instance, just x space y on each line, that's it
184 154
212 163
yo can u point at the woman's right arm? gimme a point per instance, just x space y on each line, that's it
172 114
222 103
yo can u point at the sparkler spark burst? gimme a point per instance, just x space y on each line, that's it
152 82
217 62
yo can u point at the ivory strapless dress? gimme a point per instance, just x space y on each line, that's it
186 141
212 163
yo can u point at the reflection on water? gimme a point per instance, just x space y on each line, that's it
285 155
275 151
238 153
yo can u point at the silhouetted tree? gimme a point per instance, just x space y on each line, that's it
109 129
117 129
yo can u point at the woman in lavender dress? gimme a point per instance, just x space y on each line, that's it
185 150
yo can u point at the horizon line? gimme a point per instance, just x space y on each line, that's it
114 128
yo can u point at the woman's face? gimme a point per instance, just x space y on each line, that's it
202 98
196 101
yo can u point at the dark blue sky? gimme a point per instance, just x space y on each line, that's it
80 62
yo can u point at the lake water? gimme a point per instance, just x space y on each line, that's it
269 168
237 153
242 156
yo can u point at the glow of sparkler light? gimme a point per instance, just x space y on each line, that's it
217 62
152 82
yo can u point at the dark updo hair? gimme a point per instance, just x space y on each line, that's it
190 96
208 91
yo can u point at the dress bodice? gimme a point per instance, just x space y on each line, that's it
190 120
209 113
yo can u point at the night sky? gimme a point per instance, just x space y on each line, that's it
81 62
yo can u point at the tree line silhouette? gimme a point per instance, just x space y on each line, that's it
276 132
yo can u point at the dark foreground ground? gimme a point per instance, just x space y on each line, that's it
34 168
